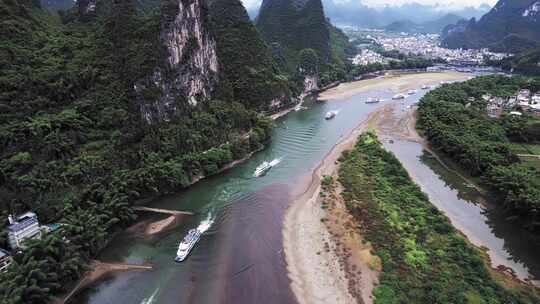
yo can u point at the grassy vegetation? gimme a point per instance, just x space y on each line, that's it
424 259
523 148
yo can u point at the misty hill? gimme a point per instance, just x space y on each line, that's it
434 27
293 25
357 14
303 40
511 26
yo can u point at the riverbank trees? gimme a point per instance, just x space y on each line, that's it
406 63
454 120
424 259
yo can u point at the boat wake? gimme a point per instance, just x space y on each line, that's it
275 162
206 223
151 299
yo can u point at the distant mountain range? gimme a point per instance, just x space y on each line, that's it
434 26
511 26
357 14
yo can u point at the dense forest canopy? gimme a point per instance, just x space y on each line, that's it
74 147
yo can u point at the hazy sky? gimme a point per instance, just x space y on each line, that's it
452 3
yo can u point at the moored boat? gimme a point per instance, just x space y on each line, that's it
398 96
373 100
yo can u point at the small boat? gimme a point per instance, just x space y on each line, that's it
330 115
426 87
373 100
263 168
187 244
399 96
411 92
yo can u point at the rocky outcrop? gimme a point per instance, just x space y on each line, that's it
311 84
188 72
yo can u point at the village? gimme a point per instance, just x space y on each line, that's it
425 45
524 101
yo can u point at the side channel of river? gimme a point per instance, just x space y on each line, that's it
474 214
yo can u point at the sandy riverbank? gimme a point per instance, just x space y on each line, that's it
159 226
97 271
398 83
317 272
326 258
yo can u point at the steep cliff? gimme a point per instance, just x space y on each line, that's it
110 104
212 50
294 25
294 28
511 26
189 69
248 72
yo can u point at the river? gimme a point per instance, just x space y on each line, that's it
240 258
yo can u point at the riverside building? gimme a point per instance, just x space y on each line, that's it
5 260
24 227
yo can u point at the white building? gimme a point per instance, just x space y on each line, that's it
5 260
25 227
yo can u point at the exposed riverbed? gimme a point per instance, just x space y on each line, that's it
240 258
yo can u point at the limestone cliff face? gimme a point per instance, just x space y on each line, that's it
188 73
311 83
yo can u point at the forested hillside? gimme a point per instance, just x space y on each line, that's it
483 146
527 62
296 28
511 26
109 104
